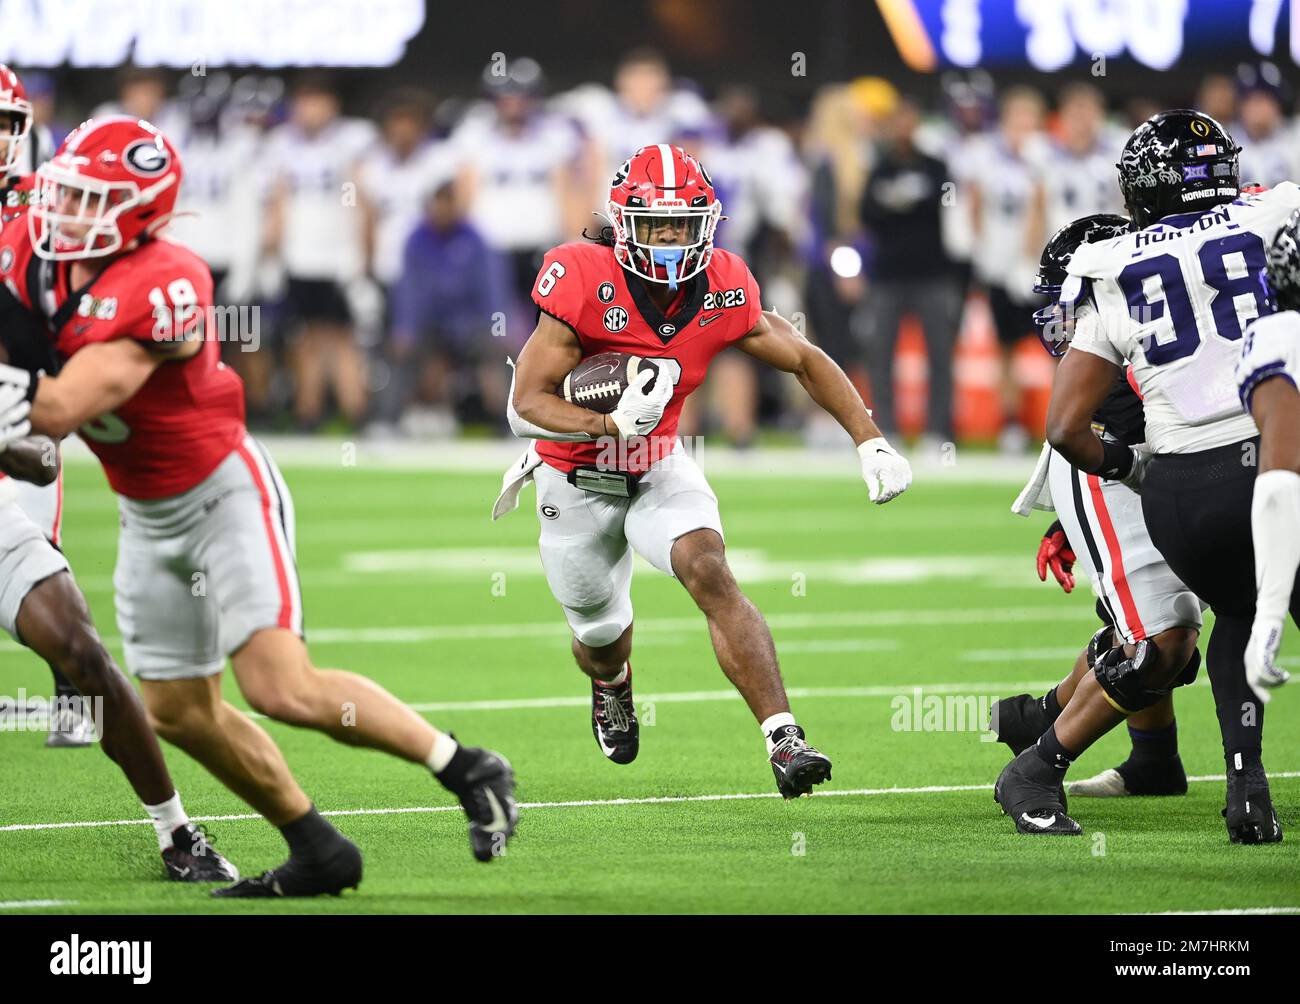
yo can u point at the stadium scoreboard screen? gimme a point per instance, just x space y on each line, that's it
1050 35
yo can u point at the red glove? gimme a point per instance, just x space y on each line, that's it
1054 552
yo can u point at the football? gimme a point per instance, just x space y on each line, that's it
598 381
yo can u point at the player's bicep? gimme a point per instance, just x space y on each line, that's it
549 354
95 381
775 341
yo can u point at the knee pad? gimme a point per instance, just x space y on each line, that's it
1124 678
1102 642
1188 675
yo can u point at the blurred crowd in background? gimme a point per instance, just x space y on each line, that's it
391 255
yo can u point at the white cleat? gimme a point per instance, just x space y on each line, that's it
70 729
1108 784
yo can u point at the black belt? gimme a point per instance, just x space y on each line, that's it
1220 463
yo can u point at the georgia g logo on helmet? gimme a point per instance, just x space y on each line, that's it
146 159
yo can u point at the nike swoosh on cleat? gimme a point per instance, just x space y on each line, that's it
600 738
1038 821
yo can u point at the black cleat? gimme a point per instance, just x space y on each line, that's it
488 797
1132 777
613 720
797 765
1030 792
1249 813
192 858
340 869
1019 721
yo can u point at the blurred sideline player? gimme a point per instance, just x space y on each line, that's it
1267 376
607 485
206 564
40 604
1171 299
1138 596
310 161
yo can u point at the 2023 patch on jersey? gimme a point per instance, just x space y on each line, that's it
583 286
1174 300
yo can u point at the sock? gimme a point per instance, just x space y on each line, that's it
1243 761
309 835
1051 752
618 681
166 817
453 774
444 748
1153 745
1051 706
62 685
770 726
1241 716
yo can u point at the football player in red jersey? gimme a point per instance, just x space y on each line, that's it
40 604
656 287
206 553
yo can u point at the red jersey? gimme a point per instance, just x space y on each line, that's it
584 286
189 415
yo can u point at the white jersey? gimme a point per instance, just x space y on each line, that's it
1174 301
1080 184
216 210
1271 349
1268 160
1000 252
322 233
398 189
515 205
761 180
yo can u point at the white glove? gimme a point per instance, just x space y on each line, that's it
14 409
885 471
637 412
1262 671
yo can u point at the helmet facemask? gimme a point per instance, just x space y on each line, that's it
75 217
666 244
13 133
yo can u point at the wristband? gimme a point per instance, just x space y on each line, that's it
1116 461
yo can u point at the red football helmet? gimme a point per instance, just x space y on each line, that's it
14 103
664 211
113 181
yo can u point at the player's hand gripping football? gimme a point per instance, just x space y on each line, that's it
1054 552
639 410
886 472
14 406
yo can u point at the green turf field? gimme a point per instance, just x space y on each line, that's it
407 581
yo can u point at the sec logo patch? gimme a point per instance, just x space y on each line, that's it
605 292
615 319
6 259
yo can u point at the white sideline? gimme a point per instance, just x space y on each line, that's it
578 804
1244 911
31 904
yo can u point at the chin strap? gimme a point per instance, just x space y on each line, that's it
668 258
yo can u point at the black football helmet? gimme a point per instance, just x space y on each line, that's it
1049 322
1283 270
1176 162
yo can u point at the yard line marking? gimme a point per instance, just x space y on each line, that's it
1243 911
24 904
694 696
579 804
557 628
1020 654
